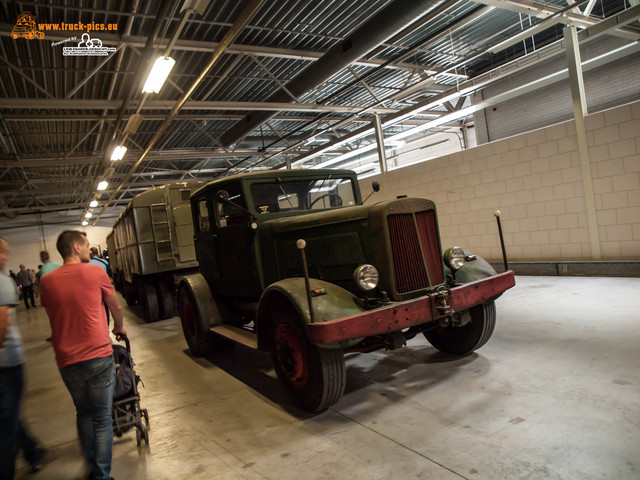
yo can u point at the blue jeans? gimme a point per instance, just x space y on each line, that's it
91 385
11 382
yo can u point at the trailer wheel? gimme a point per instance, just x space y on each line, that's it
463 340
149 300
200 343
313 377
165 297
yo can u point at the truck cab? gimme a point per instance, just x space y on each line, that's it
293 262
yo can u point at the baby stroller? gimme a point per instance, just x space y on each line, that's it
126 412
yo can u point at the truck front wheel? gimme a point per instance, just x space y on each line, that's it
313 377
200 343
466 339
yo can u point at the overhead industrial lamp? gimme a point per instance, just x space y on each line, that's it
118 152
103 185
159 73
88 215
93 204
85 223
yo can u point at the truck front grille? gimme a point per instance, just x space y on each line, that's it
415 251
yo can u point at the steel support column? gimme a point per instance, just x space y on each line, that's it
579 112
377 126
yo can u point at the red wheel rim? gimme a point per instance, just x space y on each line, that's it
291 356
187 319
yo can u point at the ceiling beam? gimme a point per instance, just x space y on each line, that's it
77 104
138 41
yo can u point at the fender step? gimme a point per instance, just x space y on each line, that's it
237 334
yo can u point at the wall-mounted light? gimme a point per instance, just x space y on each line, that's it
93 204
103 185
118 152
158 74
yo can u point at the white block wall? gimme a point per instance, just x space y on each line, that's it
535 179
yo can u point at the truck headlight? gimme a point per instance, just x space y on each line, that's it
366 277
454 258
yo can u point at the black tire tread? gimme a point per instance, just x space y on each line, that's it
464 340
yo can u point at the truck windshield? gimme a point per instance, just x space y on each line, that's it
296 195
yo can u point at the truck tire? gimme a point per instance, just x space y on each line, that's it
165 298
129 294
463 340
313 377
200 343
149 301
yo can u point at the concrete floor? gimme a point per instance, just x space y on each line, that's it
555 394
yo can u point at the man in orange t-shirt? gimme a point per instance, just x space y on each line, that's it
72 295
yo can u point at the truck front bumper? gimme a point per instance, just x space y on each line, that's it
399 316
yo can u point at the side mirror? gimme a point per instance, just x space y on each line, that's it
222 195
375 185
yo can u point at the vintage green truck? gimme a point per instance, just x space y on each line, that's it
292 262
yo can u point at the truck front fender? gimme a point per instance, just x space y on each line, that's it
472 271
329 302
209 314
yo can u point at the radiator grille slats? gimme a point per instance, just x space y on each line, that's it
408 245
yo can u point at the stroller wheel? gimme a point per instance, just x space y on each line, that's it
138 437
145 414
146 437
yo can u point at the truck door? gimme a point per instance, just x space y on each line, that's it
203 238
235 247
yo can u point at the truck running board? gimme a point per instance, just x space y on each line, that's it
237 334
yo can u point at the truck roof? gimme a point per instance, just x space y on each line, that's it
298 173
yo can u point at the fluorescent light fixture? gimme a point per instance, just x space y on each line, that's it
159 73
103 185
88 215
85 223
93 204
118 152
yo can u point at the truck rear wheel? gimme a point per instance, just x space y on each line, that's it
149 301
200 343
463 340
313 377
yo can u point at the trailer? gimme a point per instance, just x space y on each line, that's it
151 247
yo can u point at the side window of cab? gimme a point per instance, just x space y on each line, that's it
227 211
202 216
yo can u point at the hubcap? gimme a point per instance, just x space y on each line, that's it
291 356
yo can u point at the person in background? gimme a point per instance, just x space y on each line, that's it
13 276
32 279
13 436
48 265
72 296
104 264
27 288
38 275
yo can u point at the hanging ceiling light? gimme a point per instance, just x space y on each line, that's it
85 223
118 152
158 74
93 204
103 185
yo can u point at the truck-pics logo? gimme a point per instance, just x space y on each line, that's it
25 27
